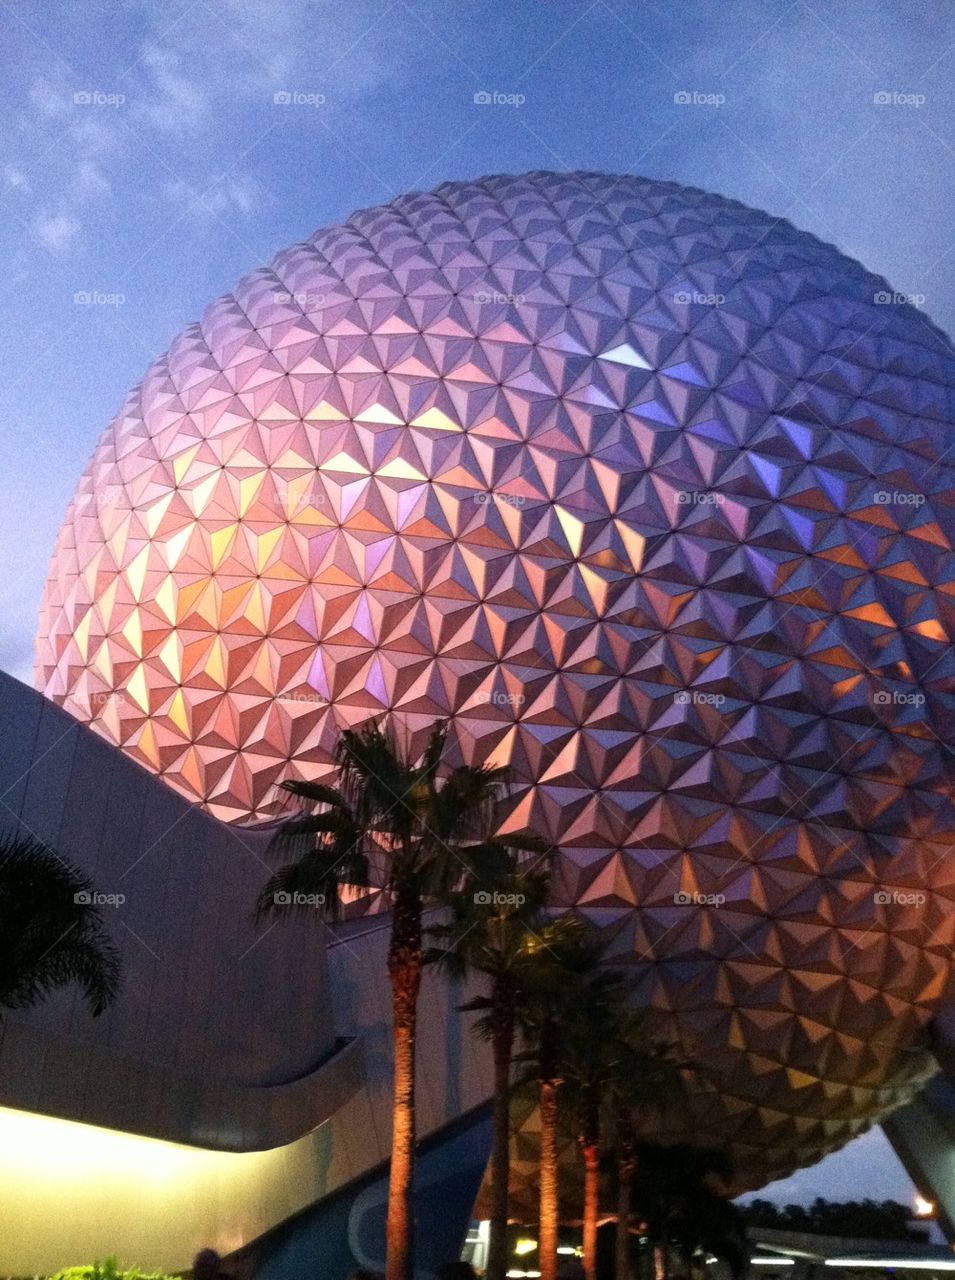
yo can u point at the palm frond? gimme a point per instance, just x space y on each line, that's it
377 783
434 750
51 931
313 793
312 884
463 806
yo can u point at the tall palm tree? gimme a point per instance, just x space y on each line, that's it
610 1065
552 996
391 822
626 1163
497 929
644 1075
591 1054
51 931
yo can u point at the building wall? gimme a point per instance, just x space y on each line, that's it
242 1076
69 1193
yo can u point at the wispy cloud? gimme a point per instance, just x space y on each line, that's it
217 197
15 179
90 182
50 101
55 231
172 102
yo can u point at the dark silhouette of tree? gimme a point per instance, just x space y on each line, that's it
51 931
868 1219
552 997
612 1069
680 1193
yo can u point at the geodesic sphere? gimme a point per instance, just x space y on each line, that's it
653 494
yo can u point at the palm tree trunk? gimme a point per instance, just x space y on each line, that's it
661 1267
503 1042
549 1208
591 1153
625 1171
404 970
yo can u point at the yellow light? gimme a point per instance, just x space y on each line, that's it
76 1191
924 1208
61 1149
524 1245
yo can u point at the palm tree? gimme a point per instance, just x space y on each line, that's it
592 1054
611 1068
626 1163
496 928
391 822
644 1074
51 931
552 997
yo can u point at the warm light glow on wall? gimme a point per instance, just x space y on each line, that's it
78 1192
62 1149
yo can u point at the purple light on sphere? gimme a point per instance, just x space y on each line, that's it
653 494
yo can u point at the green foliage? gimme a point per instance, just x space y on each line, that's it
108 1270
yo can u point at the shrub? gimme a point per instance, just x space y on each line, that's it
108 1270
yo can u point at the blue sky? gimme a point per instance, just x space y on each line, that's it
153 152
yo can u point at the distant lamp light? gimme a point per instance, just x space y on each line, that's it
524 1245
924 1208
